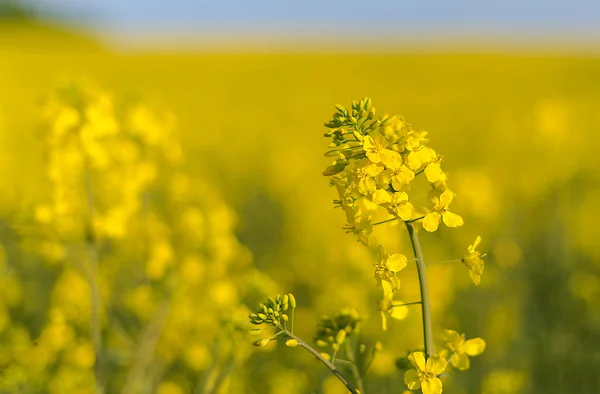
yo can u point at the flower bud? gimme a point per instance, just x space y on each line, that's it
291 343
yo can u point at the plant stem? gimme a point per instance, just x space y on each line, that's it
405 304
329 365
425 308
354 368
92 252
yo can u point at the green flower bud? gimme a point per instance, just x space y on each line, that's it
261 342
284 317
291 343
292 300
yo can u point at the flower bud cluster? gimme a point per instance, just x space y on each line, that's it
273 310
333 330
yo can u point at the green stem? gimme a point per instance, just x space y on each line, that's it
328 364
414 220
354 369
425 308
92 252
406 304
384 221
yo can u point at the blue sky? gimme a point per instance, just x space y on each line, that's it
534 18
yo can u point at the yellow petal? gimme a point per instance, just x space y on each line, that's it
418 360
383 321
460 361
411 380
446 197
381 197
399 312
434 173
475 346
436 364
373 170
396 262
432 386
475 278
388 288
368 144
405 211
367 186
452 219
451 336
414 162
431 221
390 158
477 242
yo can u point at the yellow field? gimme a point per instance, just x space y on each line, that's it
519 136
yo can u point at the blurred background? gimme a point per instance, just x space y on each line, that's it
209 195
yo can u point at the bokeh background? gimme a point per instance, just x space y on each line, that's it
509 92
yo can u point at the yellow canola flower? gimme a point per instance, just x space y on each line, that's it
399 175
366 171
397 203
474 261
461 349
425 374
441 212
419 154
376 150
386 269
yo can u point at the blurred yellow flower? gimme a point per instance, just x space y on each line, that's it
386 269
376 151
425 374
460 349
474 261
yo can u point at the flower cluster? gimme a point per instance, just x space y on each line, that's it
377 159
333 330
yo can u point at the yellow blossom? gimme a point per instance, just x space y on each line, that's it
441 212
386 269
400 176
461 349
474 261
419 154
376 151
434 173
425 374
366 171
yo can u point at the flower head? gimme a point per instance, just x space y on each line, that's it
440 212
425 374
474 261
386 269
376 150
462 348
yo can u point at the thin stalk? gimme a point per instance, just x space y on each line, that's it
92 252
329 365
405 304
354 369
425 308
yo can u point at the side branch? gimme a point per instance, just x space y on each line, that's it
328 364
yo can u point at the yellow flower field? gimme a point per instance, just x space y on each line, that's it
150 200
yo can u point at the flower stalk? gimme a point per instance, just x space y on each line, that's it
327 363
424 289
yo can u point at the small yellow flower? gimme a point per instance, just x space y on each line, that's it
440 211
376 151
366 171
419 154
386 269
362 228
462 348
399 175
474 261
425 374
397 203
